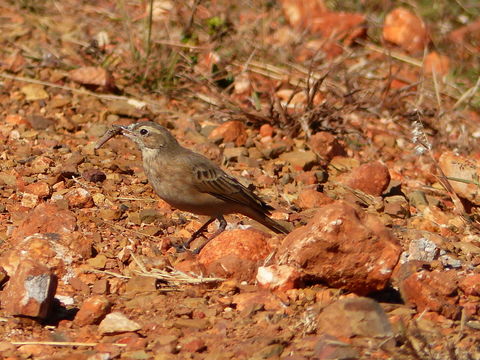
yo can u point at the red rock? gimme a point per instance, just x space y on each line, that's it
431 291
306 177
15 119
190 265
100 287
278 277
340 26
311 198
46 218
195 345
92 311
79 198
30 290
470 307
344 247
266 130
314 16
470 31
354 317
302 13
325 145
230 131
404 77
133 342
406 30
371 178
91 75
329 347
246 300
436 63
39 248
235 253
40 189
41 164
470 285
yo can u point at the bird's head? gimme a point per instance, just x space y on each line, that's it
149 135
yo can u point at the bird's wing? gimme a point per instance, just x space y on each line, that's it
210 179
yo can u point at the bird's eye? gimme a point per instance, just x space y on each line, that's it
143 132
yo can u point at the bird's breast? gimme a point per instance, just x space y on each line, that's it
173 182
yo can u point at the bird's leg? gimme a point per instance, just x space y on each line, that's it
184 246
221 228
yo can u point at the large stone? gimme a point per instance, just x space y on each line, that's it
371 178
344 247
79 198
92 310
300 159
230 131
326 145
117 322
354 317
235 254
406 30
431 291
278 277
311 198
46 218
30 290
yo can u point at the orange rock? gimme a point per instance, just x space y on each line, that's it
306 177
230 131
30 290
470 285
313 15
247 300
40 189
46 218
278 277
371 178
235 253
358 317
15 119
311 198
326 145
302 13
266 130
470 30
92 311
92 75
406 30
436 63
340 26
79 198
431 291
343 246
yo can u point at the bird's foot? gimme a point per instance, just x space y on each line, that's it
182 247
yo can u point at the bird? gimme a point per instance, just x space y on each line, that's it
190 182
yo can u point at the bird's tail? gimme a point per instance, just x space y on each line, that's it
273 225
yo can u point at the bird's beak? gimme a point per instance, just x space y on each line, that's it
125 130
